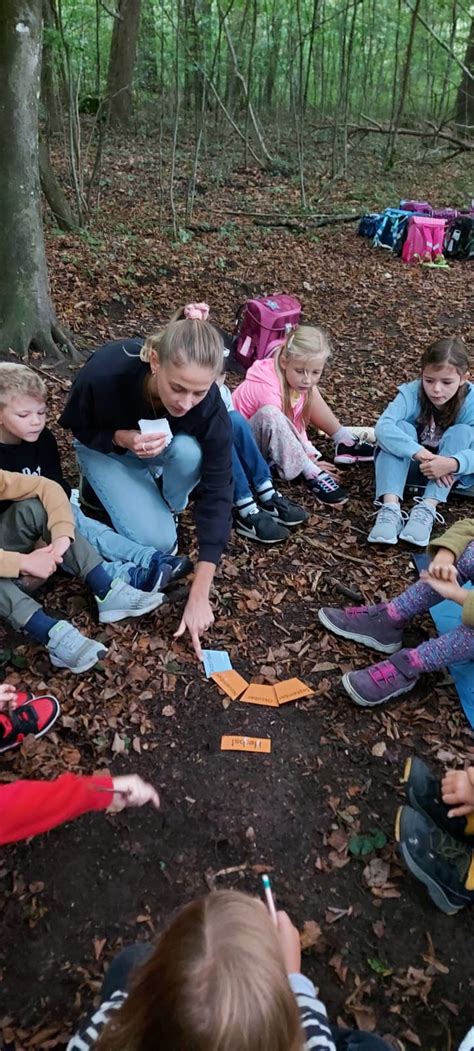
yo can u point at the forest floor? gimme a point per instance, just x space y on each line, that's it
383 956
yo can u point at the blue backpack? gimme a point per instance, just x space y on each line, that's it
392 229
368 224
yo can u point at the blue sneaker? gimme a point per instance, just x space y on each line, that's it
162 571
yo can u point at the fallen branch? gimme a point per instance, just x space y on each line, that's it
331 551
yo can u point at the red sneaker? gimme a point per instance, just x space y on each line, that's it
35 717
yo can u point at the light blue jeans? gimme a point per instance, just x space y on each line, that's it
120 553
128 490
391 471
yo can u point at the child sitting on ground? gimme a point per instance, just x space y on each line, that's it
435 832
280 397
48 520
267 515
222 975
381 627
426 437
28 446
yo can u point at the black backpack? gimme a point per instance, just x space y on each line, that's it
459 238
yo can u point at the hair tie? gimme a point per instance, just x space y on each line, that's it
196 311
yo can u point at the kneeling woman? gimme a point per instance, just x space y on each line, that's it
143 480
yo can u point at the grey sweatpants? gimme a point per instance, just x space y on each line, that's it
21 526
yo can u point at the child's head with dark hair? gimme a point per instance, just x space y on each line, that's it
216 982
444 374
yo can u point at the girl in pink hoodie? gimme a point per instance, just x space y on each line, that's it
280 397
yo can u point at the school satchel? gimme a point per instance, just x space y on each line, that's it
261 325
459 239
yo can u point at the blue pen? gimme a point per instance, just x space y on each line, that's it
269 897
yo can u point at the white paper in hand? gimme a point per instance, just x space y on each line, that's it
156 427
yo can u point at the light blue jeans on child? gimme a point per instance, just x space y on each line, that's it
121 554
128 490
391 471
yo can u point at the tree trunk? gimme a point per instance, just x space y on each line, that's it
26 313
123 50
465 101
49 94
53 192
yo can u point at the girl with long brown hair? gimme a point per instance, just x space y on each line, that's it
426 436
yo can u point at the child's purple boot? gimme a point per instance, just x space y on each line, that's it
384 681
370 625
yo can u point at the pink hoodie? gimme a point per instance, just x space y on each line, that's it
260 387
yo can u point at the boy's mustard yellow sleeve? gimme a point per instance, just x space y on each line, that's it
456 538
15 486
468 610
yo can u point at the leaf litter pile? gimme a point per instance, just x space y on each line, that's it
317 812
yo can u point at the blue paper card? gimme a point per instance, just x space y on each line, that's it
215 660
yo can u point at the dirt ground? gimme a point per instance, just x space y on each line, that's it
383 956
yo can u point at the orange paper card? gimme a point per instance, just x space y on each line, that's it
258 694
291 690
231 682
233 743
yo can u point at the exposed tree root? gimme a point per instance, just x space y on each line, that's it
48 338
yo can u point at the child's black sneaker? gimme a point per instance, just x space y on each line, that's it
325 488
283 511
35 717
258 525
445 866
360 452
423 792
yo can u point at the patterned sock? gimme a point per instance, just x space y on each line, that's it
39 626
265 491
247 506
99 581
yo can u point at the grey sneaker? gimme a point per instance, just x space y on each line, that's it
420 523
370 625
123 601
67 648
387 525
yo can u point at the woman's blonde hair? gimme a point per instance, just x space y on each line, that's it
185 341
19 379
216 981
306 343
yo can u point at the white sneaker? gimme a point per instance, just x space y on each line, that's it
387 525
123 601
420 524
67 648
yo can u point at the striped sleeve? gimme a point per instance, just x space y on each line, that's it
88 1036
313 1015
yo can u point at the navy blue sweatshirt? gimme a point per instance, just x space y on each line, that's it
108 395
39 457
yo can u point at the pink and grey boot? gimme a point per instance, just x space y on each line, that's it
384 681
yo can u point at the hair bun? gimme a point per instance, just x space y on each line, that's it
196 311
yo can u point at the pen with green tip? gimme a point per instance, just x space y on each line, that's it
269 898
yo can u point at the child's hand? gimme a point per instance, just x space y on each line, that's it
423 455
41 563
446 588
329 467
458 792
132 791
443 566
439 467
290 943
8 697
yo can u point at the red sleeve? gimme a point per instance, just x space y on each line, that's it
29 807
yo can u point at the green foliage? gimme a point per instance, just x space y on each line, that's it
361 845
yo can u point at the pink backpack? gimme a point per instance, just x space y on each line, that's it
262 325
424 240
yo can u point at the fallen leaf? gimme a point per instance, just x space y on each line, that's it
310 934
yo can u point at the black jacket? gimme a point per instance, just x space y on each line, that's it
108 395
40 457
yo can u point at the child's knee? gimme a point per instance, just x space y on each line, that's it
269 414
31 515
457 437
407 428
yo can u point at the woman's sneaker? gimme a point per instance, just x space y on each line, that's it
419 526
258 525
360 452
388 525
423 792
370 625
283 511
325 488
443 865
123 601
382 682
67 648
35 717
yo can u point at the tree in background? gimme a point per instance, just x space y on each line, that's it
123 51
465 99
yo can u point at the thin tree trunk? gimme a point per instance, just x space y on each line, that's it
53 192
26 313
464 113
404 85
